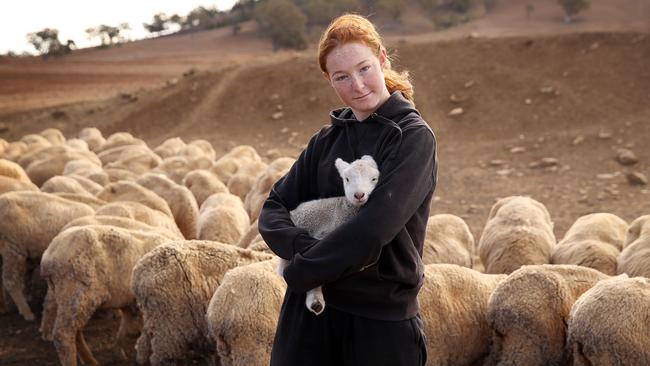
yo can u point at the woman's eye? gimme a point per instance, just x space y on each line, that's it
340 78
365 68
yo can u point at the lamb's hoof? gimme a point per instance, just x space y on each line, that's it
317 307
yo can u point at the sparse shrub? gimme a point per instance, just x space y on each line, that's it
573 7
283 21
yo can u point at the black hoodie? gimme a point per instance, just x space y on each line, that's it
371 265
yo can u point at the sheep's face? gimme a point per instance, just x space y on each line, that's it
359 178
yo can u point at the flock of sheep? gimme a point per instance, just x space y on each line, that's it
167 238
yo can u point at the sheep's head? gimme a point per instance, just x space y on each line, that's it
359 178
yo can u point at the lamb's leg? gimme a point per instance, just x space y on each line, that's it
76 303
315 301
49 314
14 268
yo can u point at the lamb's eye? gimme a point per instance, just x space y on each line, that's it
374 179
347 180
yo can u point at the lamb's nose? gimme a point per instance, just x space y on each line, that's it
359 195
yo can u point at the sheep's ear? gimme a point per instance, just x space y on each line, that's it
341 165
370 160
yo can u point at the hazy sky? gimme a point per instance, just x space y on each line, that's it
72 18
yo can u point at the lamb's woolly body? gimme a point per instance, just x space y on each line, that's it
635 258
262 186
180 200
28 223
519 231
243 314
321 217
222 218
173 285
203 183
453 303
593 241
528 312
448 240
88 268
609 323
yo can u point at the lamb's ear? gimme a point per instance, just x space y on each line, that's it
370 160
341 165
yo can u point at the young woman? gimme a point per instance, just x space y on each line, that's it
370 267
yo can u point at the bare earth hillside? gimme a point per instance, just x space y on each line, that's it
530 89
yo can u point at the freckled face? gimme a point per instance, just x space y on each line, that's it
355 73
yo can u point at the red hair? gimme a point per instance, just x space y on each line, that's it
350 28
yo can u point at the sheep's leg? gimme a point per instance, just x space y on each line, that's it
143 347
75 305
14 268
3 298
315 301
130 324
49 314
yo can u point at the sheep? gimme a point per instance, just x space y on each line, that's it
89 185
78 144
228 164
10 169
89 268
180 200
242 181
169 147
173 285
322 216
131 191
93 138
137 159
448 240
60 183
50 162
3 145
91 201
176 167
243 313
202 183
125 152
9 184
28 222
117 174
260 191
453 304
518 231
86 169
222 218
14 150
35 142
608 324
54 136
119 139
527 313
204 148
593 241
139 212
635 258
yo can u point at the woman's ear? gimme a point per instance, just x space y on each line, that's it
326 76
383 58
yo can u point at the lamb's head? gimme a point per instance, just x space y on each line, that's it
359 178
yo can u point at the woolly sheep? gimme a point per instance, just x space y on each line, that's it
139 212
93 138
176 167
228 164
173 285
609 323
251 234
89 268
89 185
180 200
131 191
119 139
10 169
169 147
635 258
117 174
86 169
54 136
261 188
243 313
453 304
593 241
28 222
322 216
202 183
242 181
519 231
60 183
35 141
78 144
222 218
14 150
9 184
125 152
527 313
3 145
53 162
204 146
448 240
138 160
91 201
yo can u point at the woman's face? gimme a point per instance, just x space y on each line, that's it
356 74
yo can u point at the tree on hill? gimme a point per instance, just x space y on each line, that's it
158 24
107 34
283 21
47 43
573 7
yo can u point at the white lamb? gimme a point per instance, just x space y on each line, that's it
320 217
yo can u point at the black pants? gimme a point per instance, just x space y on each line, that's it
336 338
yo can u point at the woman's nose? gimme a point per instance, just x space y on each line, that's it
357 83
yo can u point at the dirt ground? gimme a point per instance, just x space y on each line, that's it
530 88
